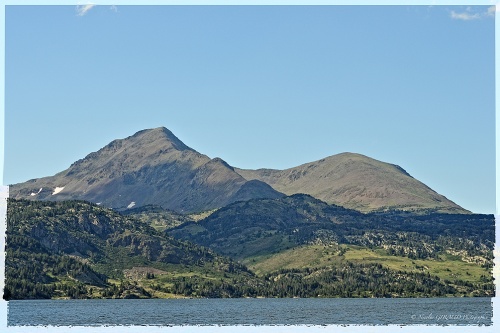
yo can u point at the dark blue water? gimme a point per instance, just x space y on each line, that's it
175 312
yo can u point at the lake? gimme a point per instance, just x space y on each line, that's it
270 311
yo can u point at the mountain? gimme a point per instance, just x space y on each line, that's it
151 167
75 249
259 227
300 239
358 182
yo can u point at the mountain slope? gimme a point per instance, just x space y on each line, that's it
302 238
74 249
357 182
152 167
77 249
258 227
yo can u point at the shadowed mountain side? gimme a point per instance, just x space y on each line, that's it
357 182
152 167
261 227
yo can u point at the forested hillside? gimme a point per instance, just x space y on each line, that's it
296 246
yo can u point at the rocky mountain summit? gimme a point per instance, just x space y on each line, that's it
153 167
150 167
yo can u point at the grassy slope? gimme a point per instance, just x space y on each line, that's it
357 182
273 235
450 268
162 220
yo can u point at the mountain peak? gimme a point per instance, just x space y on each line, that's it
358 182
159 135
154 167
151 167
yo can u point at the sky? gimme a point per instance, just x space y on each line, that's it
258 86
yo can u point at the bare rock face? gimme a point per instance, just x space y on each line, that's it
357 182
151 167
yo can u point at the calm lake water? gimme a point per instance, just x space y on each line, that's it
176 312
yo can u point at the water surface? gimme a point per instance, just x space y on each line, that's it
305 311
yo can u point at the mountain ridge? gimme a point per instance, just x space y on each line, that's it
358 182
150 167
243 230
154 167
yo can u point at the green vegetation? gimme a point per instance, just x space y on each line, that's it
358 280
263 226
74 249
463 278
302 233
163 219
292 247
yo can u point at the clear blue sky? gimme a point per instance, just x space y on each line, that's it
271 86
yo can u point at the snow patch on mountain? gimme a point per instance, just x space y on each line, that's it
33 193
57 190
